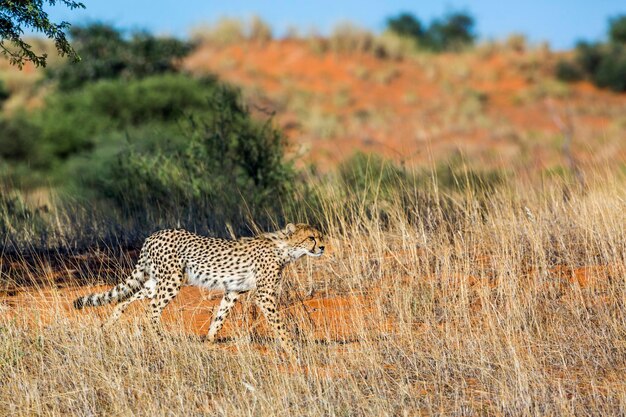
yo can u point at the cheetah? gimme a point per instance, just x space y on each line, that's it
170 259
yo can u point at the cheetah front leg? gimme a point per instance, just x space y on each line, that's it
164 292
227 303
266 300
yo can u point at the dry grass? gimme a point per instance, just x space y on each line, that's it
506 304
229 31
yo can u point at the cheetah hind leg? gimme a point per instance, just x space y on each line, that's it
143 293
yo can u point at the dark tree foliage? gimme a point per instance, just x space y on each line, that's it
617 29
454 31
405 24
19 15
611 72
107 54
589 56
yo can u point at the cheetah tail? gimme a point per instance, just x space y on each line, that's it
118 293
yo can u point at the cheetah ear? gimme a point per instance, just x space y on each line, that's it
289 229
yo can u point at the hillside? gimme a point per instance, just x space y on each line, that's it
496 104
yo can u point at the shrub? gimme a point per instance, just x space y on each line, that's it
568 71
611 71
617 29
152 55
229 169
589 56
106 54
70 122
453 32
405 24
162 151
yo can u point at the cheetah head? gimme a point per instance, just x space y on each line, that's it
302 239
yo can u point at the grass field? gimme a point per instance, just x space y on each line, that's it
506 301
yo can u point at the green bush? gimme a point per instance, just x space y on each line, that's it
602 64
611 72
227 168
162 150
568 71
405 24
455 31
106 54
617 29
451 33
71 122
589 56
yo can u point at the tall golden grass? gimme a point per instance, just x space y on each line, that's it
501 302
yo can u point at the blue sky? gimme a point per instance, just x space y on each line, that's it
560 22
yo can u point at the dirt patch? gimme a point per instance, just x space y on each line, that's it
324 320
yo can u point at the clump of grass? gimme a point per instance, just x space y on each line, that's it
546 88
259 30
321 124
348 38
393 46
225 31
516 42
229 31
386 75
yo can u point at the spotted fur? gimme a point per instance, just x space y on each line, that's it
172 258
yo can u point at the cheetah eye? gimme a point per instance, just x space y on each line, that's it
311 238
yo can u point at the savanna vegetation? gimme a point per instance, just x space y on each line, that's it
450 288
